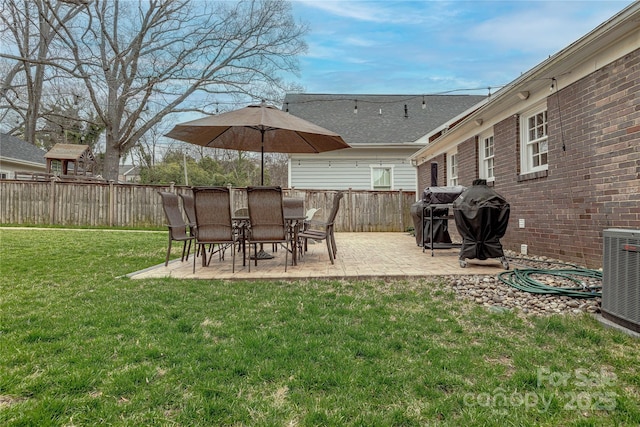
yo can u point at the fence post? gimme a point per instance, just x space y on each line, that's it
112 202
401 209
52 201
350 210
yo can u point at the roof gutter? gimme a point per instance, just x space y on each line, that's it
22 162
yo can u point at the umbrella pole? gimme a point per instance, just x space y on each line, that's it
262 254
262 157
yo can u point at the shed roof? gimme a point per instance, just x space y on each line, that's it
380 119
69 152
14 148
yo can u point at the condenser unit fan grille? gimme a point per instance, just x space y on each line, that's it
621 277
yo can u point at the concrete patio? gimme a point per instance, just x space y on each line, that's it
360 256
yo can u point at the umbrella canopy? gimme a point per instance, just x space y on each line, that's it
262 128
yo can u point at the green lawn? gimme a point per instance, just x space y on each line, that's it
82 345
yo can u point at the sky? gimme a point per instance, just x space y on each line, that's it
430 47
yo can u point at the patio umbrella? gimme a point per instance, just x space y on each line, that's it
261 128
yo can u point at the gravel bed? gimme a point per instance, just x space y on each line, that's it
492 293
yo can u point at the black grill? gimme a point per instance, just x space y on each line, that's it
481 216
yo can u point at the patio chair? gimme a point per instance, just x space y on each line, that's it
311 213
177 226
319 231
266 220
241 221
190 209
214 223
294 214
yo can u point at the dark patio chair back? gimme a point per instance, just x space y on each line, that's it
336 206
293 207
266 218
212 207
318 230
214 224
189 209
175 223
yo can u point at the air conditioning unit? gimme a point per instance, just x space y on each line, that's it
621 278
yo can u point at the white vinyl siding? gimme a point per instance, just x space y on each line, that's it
343 174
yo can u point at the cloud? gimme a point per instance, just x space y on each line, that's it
358 10
435 46
539 27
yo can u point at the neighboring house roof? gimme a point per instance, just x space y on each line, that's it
128 170
380 119
18 150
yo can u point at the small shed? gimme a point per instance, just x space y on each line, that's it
70 159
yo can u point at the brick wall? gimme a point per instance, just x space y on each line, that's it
468 161
593 180
424 173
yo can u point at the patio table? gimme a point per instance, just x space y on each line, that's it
294 222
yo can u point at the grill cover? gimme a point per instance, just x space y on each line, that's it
434 196
481 217
441 195
440 226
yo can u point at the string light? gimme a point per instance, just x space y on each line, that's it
393 99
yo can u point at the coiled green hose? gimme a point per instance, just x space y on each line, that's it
521 279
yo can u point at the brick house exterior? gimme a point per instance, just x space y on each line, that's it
591 179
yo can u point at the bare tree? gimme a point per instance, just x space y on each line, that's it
172 56
29 30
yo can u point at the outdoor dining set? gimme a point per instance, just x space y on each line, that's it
269 220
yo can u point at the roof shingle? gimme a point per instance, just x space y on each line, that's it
381 119
14 148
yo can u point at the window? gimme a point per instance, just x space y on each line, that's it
534 141
381 177
452 169
56 167
487 157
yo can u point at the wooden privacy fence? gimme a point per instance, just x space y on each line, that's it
97 204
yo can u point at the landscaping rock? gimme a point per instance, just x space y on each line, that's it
499 297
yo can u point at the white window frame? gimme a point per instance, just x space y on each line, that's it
487 157
534 143
374 168
452 168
